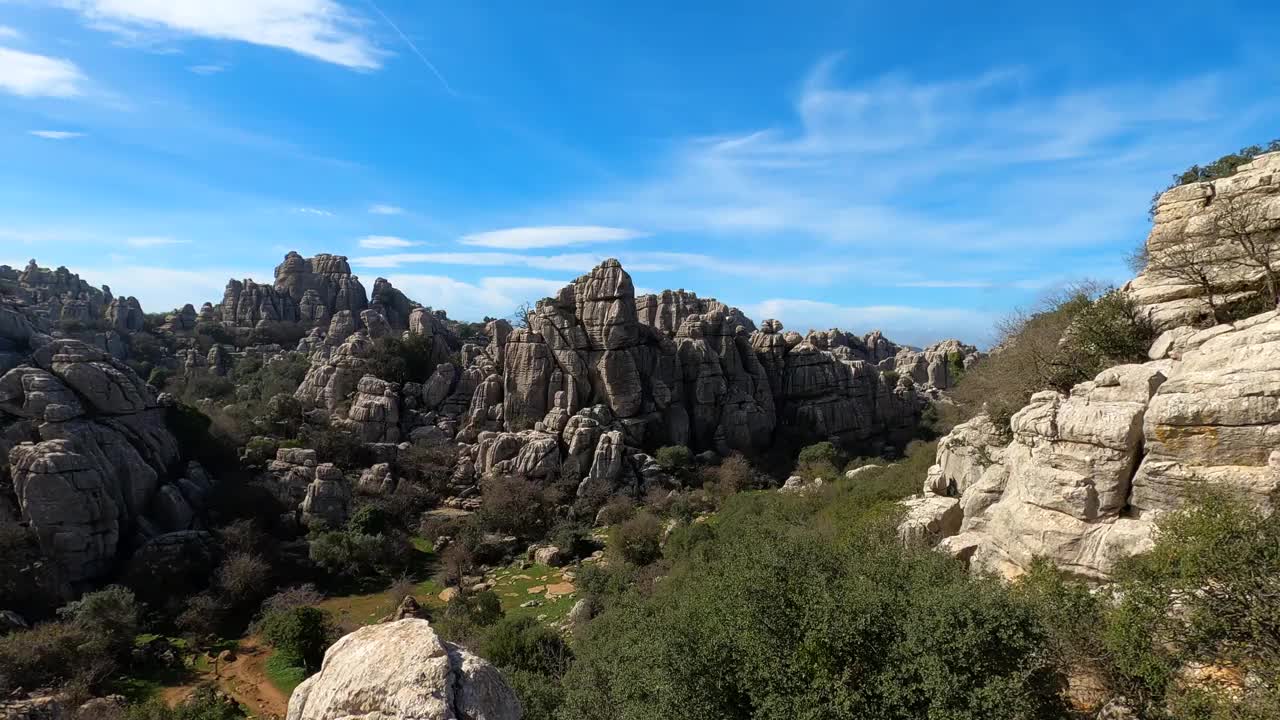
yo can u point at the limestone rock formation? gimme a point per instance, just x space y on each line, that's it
402 670
90 459
1201 217
1087 474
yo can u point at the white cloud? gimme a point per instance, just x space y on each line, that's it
153 241
919 326
381 209
161 289
206 69
9 33
313 211
385 242
492 296
56 134
30 75
523 238
319 29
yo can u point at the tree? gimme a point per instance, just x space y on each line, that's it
301 634
1189 261
523 316
1244 224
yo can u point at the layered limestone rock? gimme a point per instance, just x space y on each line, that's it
667 311
402 670
88 452
314 292
1203 218
1088 474
53 297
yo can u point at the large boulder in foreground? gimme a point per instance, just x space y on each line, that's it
401 671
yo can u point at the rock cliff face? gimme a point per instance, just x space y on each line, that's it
1202 218
93 467
402 670
1087 474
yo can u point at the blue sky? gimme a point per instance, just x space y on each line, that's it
917 167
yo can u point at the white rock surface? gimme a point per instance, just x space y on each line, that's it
403 671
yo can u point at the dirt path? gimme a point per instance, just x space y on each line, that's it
244 679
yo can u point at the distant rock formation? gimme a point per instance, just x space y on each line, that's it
314 292
402 670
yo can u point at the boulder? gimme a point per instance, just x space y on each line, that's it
403 671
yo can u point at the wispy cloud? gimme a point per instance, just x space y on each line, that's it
319 29
160 289
153 241
56 134
206 69
381 209
903 323
413 47
385 242
527 238
9 33
489 296
319 212
30 75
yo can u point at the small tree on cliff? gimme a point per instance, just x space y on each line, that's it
1189 261
1246 227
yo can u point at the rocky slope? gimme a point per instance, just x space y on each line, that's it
1082 478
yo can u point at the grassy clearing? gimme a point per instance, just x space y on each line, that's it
282 675
513 586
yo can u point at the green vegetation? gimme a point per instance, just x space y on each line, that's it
300 635
402 360
674 458
1074 336
807 606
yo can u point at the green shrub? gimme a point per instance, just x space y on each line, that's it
819 452
515 505
352 555
637 540
674 458
1070 339
300 634
790 615
402 360
526 644
1216 563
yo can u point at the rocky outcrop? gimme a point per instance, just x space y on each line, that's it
1202 218
1088 474
667 311
402 670
93 466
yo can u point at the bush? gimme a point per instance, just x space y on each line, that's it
48 654
1204 596
787 615
299 634
617 510
674 458
514 505
526 644
731 476
402 360
244 578
637 540
1070 339
352 555
109 618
